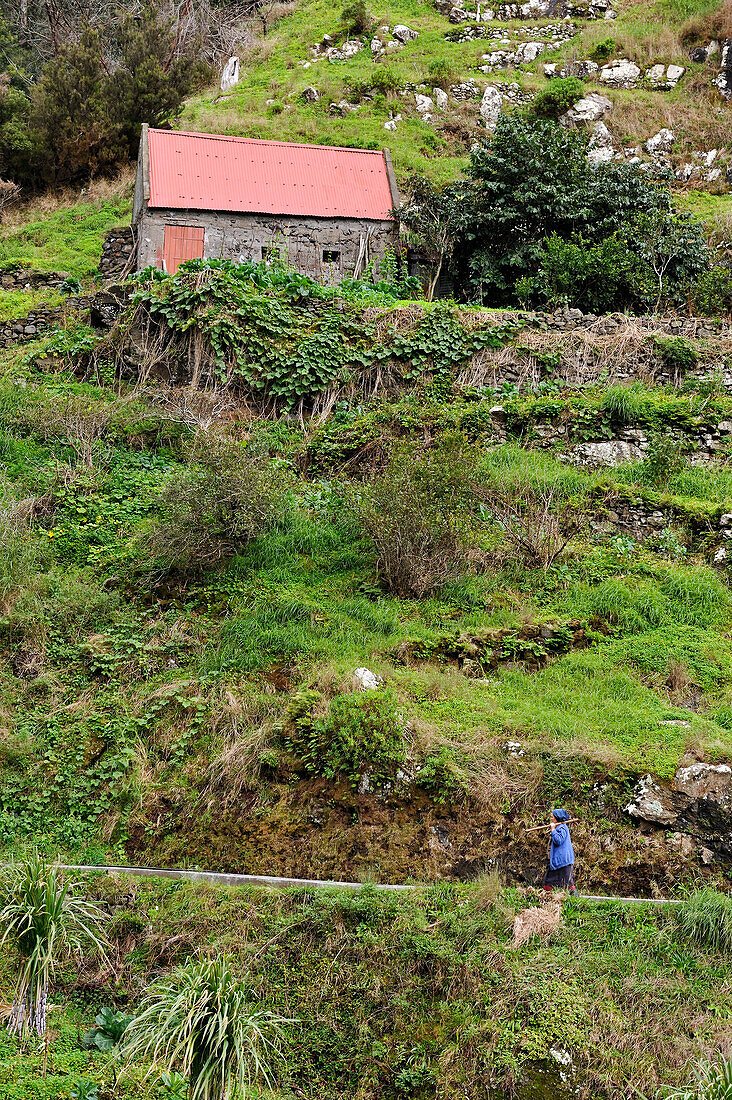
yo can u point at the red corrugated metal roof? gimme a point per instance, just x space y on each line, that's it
212 172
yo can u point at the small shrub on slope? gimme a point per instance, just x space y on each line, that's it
228 496
561 94
415 516
360 731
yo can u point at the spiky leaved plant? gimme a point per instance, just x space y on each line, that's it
202 1022
47 920
713 1082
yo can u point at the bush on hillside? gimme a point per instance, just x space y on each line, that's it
602 276
356 19
533 189
561 94
228 496
415 515
360 731
84 114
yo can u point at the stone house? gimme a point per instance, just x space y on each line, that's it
325 211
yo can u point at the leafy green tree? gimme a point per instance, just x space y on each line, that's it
152 77
431 216
532 184
46 920
529 181
206 1024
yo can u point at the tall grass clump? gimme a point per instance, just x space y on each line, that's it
706 918
712 1082
204 1023
47 921
692 596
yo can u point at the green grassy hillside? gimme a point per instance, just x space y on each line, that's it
268 102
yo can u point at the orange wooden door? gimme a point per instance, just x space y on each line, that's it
182 242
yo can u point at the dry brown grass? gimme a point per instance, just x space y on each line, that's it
99 190
542 921
698 116
700 29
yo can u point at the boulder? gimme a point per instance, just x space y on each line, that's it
600 149
712 781
490 105
527 52
586 111
621 73
230 75
347 50
650 803
424 103
440 98
310 94
366 680
724 80
607 452
392 123
661 143
404 34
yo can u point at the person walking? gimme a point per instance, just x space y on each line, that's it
560 862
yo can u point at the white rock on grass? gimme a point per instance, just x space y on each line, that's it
661 143
440 98
424 103
404 34
230 75
600 149
366 680
608 452
490 106
590 109
621 73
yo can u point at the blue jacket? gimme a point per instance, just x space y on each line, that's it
561 852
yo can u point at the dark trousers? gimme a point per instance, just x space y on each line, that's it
559 878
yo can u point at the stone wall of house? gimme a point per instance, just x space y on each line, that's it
117 250
302 242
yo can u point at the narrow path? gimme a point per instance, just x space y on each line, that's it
278 883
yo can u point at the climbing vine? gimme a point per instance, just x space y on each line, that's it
281 335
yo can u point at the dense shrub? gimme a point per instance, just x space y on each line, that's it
602 276
228 496
360 731
355 18
711 294
84 114
533 190
415 515
561 94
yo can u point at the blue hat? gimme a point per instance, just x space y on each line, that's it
560 815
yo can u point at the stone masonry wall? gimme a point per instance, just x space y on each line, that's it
30 327
117 250
19 277
301 242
